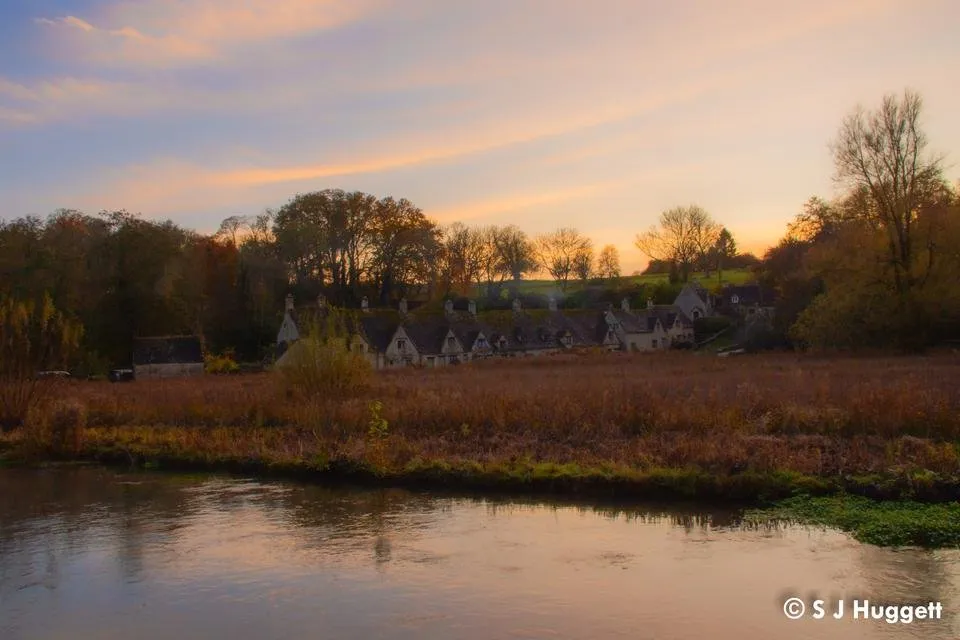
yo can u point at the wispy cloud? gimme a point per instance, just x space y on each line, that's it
169 33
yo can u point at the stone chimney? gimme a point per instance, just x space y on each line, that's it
625 305
403 306
517 305
448 308
472 308
551 303
289 303
365 304
649 303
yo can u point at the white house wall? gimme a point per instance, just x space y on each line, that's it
288 330
397 358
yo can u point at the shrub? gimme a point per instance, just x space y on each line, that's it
313 368
58 428
322 363
220 364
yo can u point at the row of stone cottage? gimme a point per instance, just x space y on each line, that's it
401 337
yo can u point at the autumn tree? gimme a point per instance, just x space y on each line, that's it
559 252
516 252
608 263
882 155
683 237
405 246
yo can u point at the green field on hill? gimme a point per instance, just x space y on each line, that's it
544 287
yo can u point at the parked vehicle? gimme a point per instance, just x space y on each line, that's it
53 374
121 375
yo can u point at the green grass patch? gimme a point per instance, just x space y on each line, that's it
883 523
544 287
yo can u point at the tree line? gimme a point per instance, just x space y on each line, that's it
869 268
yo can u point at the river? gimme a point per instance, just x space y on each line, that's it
93 553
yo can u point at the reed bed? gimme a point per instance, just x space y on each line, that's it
614 414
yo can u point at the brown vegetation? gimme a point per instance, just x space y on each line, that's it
823 417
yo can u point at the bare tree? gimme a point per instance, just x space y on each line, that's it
882 155
232 229
466 254
583 263
559 251
608 264
684 236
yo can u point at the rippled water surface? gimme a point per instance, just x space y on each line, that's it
89 553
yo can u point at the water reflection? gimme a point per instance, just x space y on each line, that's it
92 553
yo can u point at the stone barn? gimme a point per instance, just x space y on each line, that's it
167 357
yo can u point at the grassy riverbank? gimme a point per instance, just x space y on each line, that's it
647 426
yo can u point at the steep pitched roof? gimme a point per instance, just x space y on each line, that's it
377 330
634 322
167 350
669 314
427 334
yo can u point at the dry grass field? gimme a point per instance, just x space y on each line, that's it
614 417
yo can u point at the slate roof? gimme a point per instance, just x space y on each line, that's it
669 314
636 322
427 335
748 295
377 330
526 330
167 350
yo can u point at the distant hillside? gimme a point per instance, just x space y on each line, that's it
545 287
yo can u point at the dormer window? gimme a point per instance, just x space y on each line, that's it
451 342
401 344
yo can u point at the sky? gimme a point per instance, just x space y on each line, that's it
596 115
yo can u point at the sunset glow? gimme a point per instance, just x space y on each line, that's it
538 113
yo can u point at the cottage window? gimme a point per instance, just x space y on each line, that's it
654 344
451 342
401 344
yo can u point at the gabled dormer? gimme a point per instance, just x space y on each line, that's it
451 345
481 344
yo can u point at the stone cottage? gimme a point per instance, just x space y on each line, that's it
400 337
